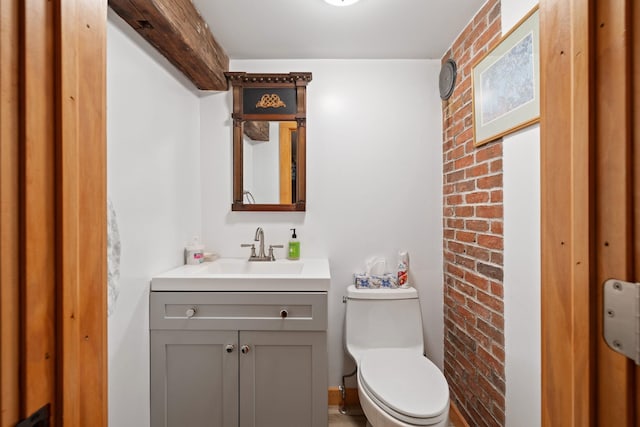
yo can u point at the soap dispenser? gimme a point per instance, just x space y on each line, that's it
294 246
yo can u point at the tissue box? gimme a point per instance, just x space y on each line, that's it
375 281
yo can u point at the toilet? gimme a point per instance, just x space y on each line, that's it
397 385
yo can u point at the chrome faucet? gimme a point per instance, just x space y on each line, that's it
261 256
260 238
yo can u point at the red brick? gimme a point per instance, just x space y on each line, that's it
465 186
477 281
478 253
496 166
489 211
455 176
464 162
449 234
497 351
464 211
477 197
497 289
496 335
479 309
497 227
497 258
481 338
496 196
490 301
490 360
475 171
486 182
469 263
491 242
477 225
455 271
497 320
465 288
454 199
456 247
448 188
489 151
456 296
455 223
465 236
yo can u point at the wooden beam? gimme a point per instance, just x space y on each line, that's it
256 131
177 30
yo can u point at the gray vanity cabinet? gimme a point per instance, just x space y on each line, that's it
247 359
194 380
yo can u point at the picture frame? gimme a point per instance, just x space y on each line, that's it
505 83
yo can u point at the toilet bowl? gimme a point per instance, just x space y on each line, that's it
397 385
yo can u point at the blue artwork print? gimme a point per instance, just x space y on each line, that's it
509 83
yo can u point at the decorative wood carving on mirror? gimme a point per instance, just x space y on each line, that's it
269 141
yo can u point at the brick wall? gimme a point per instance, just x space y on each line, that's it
473 241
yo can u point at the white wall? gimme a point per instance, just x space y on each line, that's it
521 162
153 176
374 180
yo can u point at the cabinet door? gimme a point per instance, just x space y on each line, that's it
194 378
283 379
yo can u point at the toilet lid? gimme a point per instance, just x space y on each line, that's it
406 382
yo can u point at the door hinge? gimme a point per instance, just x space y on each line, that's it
622 317
40 418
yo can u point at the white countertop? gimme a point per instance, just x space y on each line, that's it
234 274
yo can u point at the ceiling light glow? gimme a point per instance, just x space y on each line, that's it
341 2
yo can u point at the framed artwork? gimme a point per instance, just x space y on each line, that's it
506 83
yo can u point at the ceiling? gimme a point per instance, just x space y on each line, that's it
313 29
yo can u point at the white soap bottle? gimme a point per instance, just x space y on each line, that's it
194 252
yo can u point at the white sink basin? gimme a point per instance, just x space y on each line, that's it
238 266
233 274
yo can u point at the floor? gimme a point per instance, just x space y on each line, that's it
354 418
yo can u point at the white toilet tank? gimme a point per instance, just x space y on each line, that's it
382 318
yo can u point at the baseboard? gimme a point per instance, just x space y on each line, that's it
455 416
335 398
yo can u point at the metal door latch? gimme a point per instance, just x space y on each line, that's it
622 317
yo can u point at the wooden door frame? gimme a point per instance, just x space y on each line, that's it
53 211
574 132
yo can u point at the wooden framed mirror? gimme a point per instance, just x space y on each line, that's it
269 141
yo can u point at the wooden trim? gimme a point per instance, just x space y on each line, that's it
335 398
566 230
636 168
613 164
177 30
9 214
38 253
82 208
286 131
455 416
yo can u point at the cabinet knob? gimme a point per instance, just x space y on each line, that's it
284 313
191 312
245 349
229 348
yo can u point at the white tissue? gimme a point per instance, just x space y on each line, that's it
375 266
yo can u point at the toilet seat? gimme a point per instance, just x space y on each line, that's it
405 384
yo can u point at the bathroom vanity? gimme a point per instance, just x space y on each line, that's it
244 344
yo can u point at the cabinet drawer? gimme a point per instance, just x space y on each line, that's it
239 310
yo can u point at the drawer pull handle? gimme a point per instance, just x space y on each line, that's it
284 313
191 312
229 348
245 349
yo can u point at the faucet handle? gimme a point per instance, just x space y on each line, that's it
271 255
253 248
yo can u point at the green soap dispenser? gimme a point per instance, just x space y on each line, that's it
294 246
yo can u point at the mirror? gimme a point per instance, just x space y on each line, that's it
269 141
269 162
